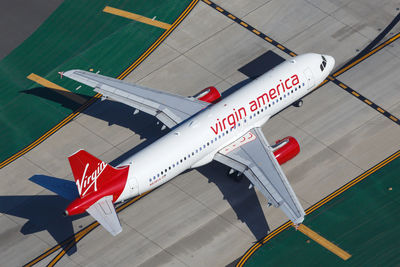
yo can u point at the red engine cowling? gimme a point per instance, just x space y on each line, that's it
286 149
210 95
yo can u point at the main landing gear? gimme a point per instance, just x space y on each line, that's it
235 175
298 103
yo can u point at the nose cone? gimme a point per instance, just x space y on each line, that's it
330 63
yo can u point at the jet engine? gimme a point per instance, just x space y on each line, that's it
286 149
209 94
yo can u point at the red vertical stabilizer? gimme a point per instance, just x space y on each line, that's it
94 179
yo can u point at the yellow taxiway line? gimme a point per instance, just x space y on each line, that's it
133 16
61 90
324 242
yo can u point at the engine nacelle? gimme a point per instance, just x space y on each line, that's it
286 149
209 94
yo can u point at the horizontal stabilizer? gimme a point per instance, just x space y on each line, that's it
104 212
64 188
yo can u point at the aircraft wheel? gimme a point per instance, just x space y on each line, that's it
298 103
231 173
238 177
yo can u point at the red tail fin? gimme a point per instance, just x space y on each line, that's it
86 169
92 175
94 179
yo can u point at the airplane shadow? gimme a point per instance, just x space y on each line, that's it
43 213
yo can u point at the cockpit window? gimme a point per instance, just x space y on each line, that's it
323 64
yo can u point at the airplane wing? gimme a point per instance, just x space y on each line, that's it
170 109
104 212
252 156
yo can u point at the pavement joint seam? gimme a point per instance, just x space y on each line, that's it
292 37
153 242
95 134
299 33
322 143
214 34
332 16
391 52
204 68
158 68
36 165
213 211
204 40
18 224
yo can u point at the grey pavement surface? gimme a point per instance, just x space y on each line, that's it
20 18
202 218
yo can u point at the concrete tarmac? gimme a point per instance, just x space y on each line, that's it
202 218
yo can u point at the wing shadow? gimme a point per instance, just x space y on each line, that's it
110 111
244 201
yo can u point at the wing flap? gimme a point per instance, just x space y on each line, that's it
170 109
104 212
257 162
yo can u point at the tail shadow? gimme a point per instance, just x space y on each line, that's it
43 213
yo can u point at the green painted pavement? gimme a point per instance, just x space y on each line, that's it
77 35
363 221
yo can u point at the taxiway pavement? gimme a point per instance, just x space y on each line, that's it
202 218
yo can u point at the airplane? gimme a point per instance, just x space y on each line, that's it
203 128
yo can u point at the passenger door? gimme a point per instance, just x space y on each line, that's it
310 79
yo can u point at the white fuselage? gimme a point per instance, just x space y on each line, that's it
195 141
